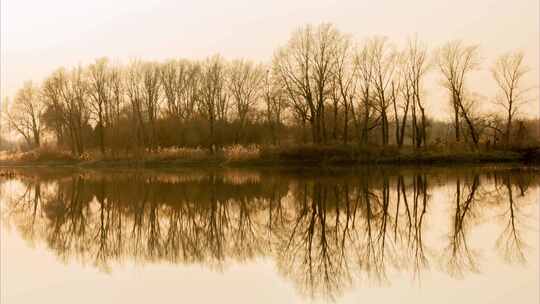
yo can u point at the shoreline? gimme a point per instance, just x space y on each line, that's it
313 160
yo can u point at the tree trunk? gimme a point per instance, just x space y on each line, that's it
423 126
101 131
396 120
314 129
403 125
384 121
346 123
212 139
508 125
335 118
471 128
456 118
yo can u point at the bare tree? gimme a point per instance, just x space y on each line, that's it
213 98
275 102
76 99
245 84
100 91
508 71
306 66
401 99
151 97
54 117
365 70
135 94
456 61
115 108
66 97
172 74
417 65
345 82
179 79
143 91
25 114
383 57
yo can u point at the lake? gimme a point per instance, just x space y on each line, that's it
371 234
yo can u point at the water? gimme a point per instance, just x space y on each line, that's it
386 235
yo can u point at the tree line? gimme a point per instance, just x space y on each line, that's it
321 87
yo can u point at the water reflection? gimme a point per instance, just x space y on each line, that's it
324 232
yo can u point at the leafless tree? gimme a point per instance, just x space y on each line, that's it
25 114
417 65
115 108
345 82
509 71
401 99
213 97
77 107
151 93
456 60
365 71
179 79
245 84
135 94
66 97
143 91
101 93
306 66
54 117
383 56
275 104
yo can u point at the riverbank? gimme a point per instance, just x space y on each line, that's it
299 156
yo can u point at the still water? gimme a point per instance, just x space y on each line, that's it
385 235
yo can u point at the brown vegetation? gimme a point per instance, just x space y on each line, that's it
319 89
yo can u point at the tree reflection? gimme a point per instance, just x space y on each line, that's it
461 258
323 232
511 241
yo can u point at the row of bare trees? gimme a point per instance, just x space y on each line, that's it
456 61
321 86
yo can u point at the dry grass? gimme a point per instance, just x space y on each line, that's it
43 154
241 153
173 153
267 155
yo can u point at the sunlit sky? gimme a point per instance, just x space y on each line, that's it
39 36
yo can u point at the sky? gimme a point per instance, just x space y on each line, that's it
39 36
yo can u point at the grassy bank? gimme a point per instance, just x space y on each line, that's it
303 155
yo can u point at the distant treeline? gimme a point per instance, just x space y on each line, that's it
321 87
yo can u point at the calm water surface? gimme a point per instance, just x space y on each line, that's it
385 235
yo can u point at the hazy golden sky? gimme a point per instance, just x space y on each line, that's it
38 36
